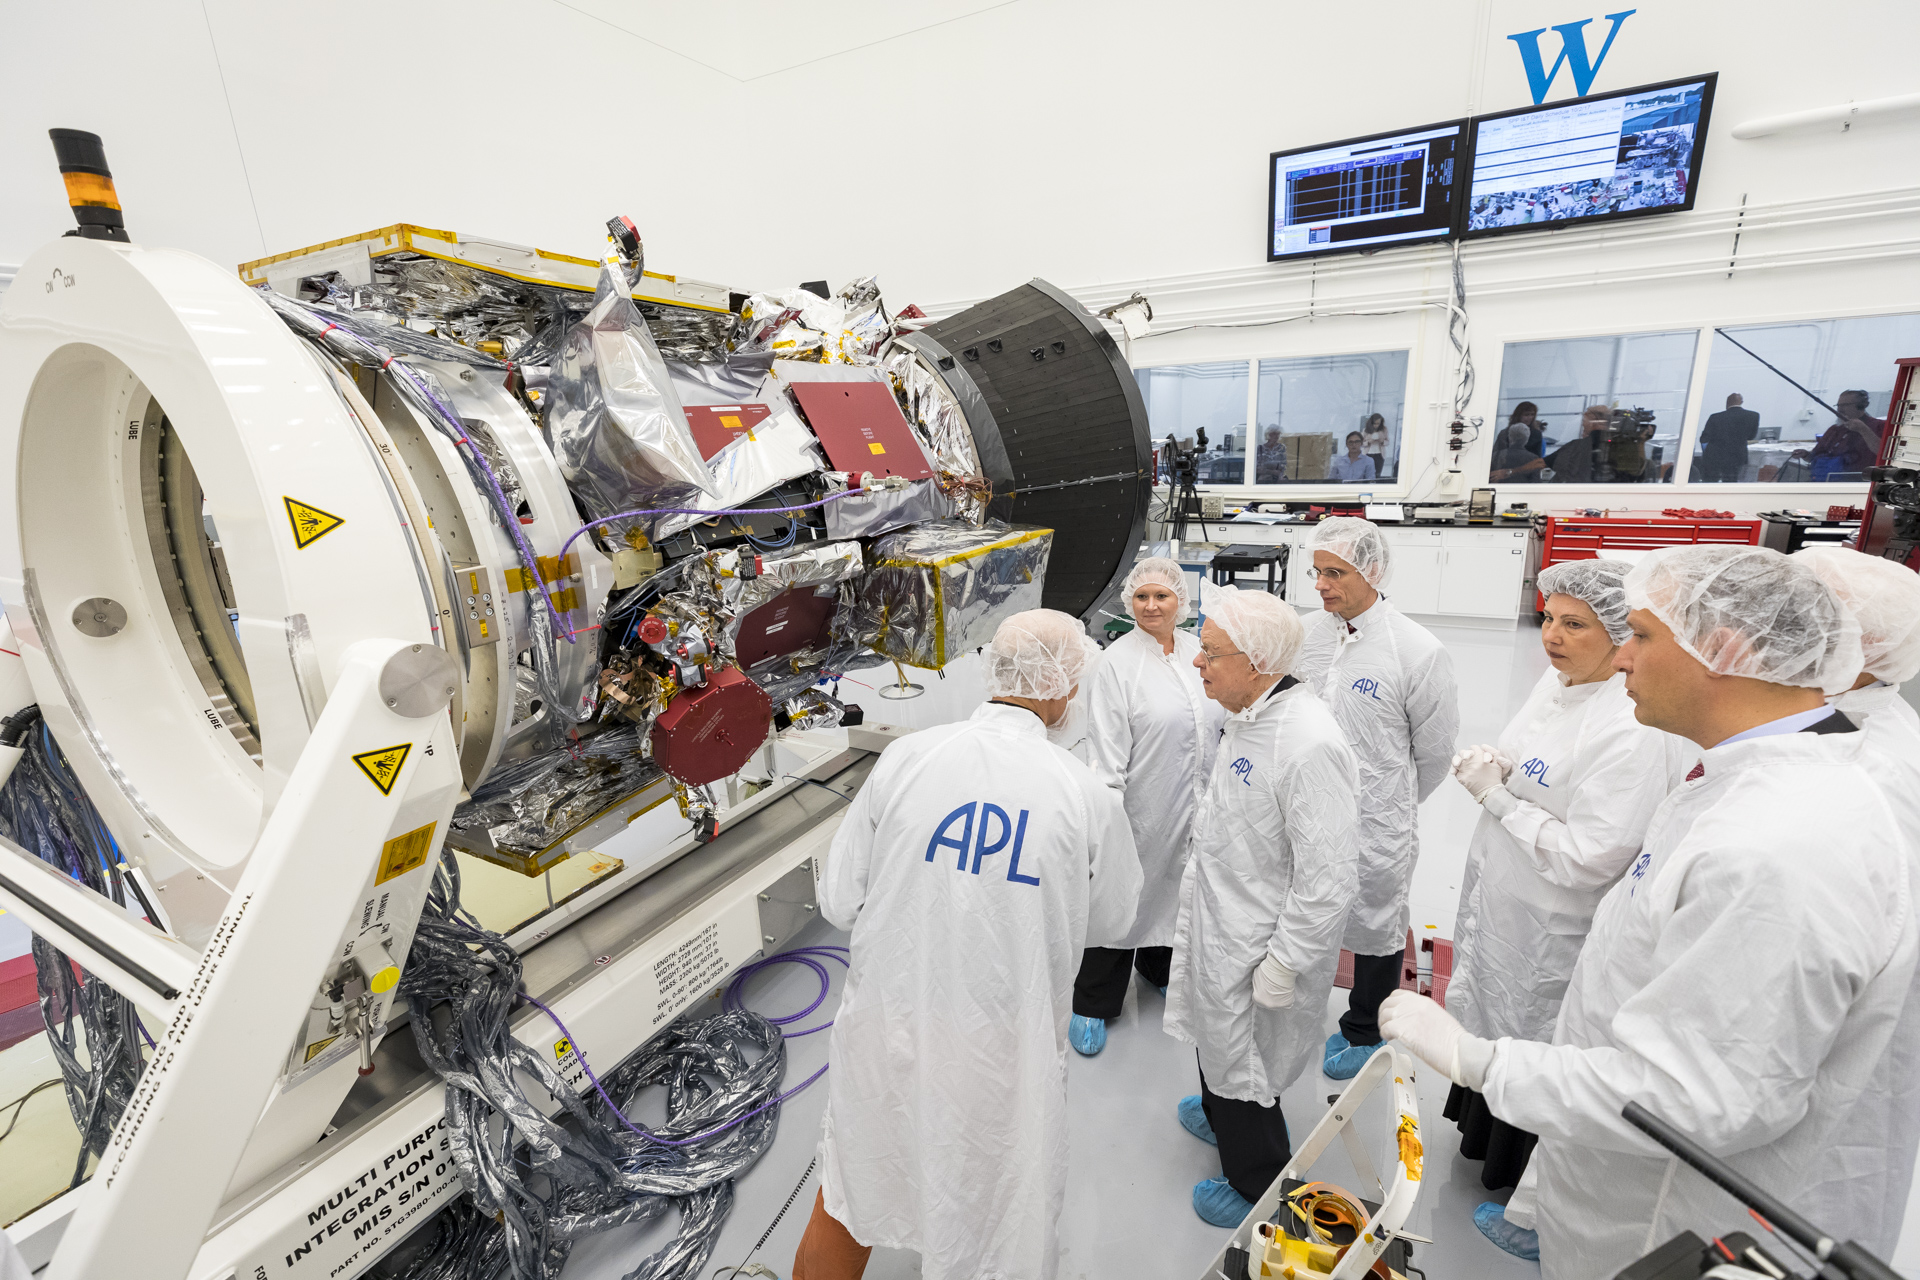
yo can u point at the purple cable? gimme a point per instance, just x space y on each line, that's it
693 511
699 1137
528 560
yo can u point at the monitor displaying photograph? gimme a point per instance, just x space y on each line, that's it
1365 193
1613 155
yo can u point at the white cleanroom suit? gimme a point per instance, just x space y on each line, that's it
1742 982
1390 687
1586 780
1884 598
1152 731
1271 871
971 869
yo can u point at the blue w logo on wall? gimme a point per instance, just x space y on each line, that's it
1573 53
977 841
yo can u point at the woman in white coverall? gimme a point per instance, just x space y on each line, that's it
1266 890
972 868
1567 795
1744 980
1884 598
1389 684
1151 730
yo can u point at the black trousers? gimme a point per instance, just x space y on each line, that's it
1254 1146
1505 1148
1374 979
1100 988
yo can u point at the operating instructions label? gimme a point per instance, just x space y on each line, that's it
650 988
358 1220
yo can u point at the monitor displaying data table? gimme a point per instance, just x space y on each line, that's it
1365 193
1613 155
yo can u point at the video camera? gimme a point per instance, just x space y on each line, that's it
1183 466
1619 451
1688 1257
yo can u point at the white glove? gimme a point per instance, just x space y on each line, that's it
1436 1037
1273 984
1480 770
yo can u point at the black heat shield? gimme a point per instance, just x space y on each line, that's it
1052 402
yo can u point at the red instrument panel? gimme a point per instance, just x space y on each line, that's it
860 426
715 426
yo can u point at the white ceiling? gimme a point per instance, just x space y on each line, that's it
749 39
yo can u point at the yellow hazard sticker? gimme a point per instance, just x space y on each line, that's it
561 1048
317 1048
383 766
876 448
729 422
310 523
404 853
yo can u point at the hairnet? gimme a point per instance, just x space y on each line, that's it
1748 611
1601 584
1264 627
1168 574
1037 654
1356 541
1885 601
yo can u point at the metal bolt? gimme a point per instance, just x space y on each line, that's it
603 959
806 906
768 939
766 897
393 702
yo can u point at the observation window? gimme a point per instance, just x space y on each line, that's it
1799 403
1593 410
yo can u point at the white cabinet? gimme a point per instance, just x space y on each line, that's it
1481 571
1469 573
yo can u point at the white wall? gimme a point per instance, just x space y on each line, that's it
1105 147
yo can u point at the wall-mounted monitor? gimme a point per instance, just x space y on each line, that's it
1612 155
1365 193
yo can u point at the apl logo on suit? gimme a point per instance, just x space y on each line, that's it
1573 54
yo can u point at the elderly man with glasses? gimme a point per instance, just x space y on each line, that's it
1269 878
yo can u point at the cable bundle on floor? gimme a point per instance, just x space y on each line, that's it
93 1031
540 1185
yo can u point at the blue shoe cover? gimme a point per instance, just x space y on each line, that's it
1088 1036
1344 1060
1162 991
1193 1118
1491 1218
1219 1204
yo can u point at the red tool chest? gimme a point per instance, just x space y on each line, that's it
1568 535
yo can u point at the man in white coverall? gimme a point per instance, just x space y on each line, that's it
1884 599
1389 684
1744 979
1269 879
971 869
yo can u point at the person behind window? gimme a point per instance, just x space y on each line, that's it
1851 444
1526 414
1513 462
1572 462
1723 442
1355 466
1375 436
1270 459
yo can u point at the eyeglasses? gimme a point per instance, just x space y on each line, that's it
1208 657
1331 575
